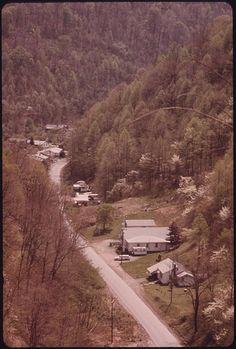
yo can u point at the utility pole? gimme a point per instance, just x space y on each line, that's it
171 290
172 276
112 308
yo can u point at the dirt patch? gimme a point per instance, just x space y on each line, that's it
130 205
165 215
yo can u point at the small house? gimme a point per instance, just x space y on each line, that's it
53 152
81 187
40 157
168 270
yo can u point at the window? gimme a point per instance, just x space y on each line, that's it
138 245
147 245
156 244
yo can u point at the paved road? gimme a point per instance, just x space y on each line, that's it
158 332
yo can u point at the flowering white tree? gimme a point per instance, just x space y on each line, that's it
187 188
175 159
224 213
219 255
220 313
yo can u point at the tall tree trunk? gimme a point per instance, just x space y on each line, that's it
196 307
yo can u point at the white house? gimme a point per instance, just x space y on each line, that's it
167 269
85 199
81 187
40 157
53 152
52 127
153 238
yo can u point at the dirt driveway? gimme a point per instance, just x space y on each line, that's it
108 254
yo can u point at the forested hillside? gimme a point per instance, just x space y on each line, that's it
61 58
52 296
147 90
169 134
175 119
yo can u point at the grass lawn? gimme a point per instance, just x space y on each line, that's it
179 314
114 234
183 254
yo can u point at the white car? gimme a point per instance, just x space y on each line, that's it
122 257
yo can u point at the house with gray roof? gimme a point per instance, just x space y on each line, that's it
153 238
167 269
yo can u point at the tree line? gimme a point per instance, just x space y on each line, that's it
174 120
50 291
61 58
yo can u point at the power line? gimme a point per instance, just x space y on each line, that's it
182 108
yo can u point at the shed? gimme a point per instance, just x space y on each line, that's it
185 278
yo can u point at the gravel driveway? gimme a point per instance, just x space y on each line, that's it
108 253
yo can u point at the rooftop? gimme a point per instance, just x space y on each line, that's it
134 232
167 265
140 223
163 266
146 239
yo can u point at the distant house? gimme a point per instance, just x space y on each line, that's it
39 143
86 199
81 199
54 152
17 140
81 187
167 269
40 157
153 238
52 127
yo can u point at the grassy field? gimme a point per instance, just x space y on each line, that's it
88 233
137 268
179 314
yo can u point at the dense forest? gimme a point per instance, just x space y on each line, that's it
170 132
147 88
173 120
61 58
50 291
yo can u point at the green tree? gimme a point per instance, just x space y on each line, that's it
174 234
105 216
200 232
107 165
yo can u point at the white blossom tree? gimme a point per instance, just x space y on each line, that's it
220 313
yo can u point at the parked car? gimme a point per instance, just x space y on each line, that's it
122 257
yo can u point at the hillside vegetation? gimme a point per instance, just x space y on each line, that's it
52 296
147 88
174 120
61 58
169 133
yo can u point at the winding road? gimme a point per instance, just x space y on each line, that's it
159 333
